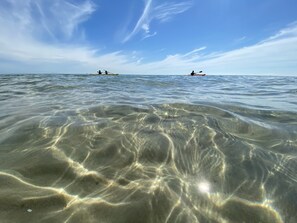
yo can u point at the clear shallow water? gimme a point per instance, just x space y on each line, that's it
83 148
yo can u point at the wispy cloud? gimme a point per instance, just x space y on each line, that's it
289 31
44 19
162 13
36 31
240 40
275 55
166 11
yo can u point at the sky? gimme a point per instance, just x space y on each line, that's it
242 37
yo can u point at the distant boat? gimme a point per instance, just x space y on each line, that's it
105 73
109 74
196 74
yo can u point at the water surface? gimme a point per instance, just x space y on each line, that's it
83 148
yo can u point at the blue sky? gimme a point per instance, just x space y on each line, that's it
149 36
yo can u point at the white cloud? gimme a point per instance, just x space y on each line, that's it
162 13
71 15
276 55
43 19
289 31
30 28
166 11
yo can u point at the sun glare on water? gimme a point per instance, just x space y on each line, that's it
204 187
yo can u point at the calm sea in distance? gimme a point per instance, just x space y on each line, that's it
148 149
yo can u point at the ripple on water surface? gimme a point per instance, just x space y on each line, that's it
159 163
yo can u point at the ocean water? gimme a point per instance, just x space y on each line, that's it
148 149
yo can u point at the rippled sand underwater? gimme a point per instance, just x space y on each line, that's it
160 163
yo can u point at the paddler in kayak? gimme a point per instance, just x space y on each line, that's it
197 74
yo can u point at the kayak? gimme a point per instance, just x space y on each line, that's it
106 74
196 74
